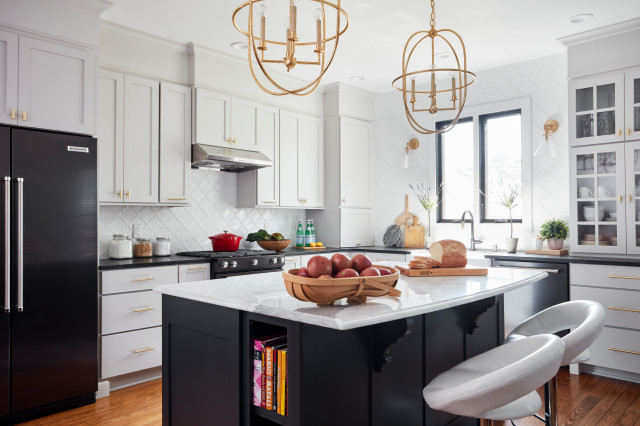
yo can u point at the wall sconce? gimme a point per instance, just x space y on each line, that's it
413 144
550 127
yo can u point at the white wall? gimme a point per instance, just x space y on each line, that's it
545 81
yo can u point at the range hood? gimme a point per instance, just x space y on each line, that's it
234 160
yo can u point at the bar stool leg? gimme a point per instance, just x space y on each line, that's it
553 401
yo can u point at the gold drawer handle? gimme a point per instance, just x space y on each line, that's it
623 309
120 193
197 269
136 280
623 277
147 349
178 199
628 131
619 132
269 202
24 115
630 198
148 308
622 350
621 197
128 193
13 113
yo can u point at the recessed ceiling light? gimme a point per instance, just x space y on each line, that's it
443 55
578 19
240 45
357 78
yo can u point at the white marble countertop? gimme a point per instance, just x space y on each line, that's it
266 294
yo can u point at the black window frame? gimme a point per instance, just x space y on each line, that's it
482 119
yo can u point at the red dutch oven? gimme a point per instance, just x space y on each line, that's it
225 242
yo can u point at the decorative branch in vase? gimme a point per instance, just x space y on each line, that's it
427 201
510 201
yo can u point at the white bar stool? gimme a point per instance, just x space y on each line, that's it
499 384
586 320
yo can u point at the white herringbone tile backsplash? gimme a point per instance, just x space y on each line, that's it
213 210
545 81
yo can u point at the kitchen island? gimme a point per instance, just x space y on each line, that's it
348 364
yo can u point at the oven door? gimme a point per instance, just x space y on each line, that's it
224 274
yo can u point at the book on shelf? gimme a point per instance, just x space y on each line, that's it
282 382
277 350
259 366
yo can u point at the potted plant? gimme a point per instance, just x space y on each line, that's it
555 231
428 202
510 201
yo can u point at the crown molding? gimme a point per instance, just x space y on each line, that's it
602 32
339 86
141 35
97 5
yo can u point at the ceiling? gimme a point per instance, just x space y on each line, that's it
496 32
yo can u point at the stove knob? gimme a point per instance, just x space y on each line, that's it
273 260
254 262
225 264
281 259
234 264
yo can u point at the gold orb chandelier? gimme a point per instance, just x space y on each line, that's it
290 44
457 77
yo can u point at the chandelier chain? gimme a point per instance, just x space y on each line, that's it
433 14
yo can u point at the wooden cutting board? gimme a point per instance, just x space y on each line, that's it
312 248
404 218
442 272
414 236
562 252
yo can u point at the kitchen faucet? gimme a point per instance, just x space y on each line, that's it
473 238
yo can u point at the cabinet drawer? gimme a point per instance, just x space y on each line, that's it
133 351
195 272
138 279
622 277
604 355
622 306
131 311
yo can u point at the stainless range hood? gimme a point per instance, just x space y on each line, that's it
211 157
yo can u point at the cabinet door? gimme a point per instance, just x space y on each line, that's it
8 78
355 163
175 143
194 272
356 227
244 124
55 86
632 156
290 133
141 104
632 105
110 137
311 162
597 196
596 110
213 118
268 178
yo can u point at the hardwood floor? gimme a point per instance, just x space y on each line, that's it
584 400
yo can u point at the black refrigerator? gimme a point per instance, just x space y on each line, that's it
49 284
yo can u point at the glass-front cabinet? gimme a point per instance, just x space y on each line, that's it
596 109
597 197
632 199
632 105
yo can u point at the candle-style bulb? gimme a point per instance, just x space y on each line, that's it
263 11
318 14
286 23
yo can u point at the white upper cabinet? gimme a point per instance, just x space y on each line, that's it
55 89
311 162
596 109
356 163
632 105
110 136
244 124
8 78
290 134
632 199
175 143
356 227
141 142
212 118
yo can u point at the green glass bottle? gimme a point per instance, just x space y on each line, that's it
313 232
307 235
300 235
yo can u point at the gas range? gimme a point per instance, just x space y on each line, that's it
241 262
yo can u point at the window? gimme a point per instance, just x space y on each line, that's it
476 163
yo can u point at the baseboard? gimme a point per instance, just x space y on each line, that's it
135 378
104 389
610 372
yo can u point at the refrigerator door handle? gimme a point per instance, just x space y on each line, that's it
20 241
7 243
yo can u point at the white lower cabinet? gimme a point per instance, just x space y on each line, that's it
138 279
131 311
133 351
292 262
195 272
618 349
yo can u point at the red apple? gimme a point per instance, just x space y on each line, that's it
361 262
325 277
340 262
384 271
303 270
370 272
303 274
347 273
319 265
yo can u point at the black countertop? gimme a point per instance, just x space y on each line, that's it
620 260
292 251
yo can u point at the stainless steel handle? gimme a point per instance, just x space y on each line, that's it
7 244
20 238
549 271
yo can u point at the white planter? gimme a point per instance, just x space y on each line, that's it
512 244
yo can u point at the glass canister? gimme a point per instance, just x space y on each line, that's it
142 248
161 246
120 247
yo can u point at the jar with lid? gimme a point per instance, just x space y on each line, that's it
120 247
161 246
142 248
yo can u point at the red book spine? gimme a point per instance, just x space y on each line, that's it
263 395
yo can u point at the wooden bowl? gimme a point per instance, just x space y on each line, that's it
274 245
327 291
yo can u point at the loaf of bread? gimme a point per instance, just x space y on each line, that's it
449 253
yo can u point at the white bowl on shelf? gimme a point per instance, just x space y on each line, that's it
590 213
613 215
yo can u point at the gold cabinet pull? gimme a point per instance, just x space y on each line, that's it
148 308
343 200
197 268
626 352
628 131
13 113
24 115
120 193
621 198
615 308
619 132
229 140
622 277
128 193
178 199
137 280
234 141
630 198
269 202
147 349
